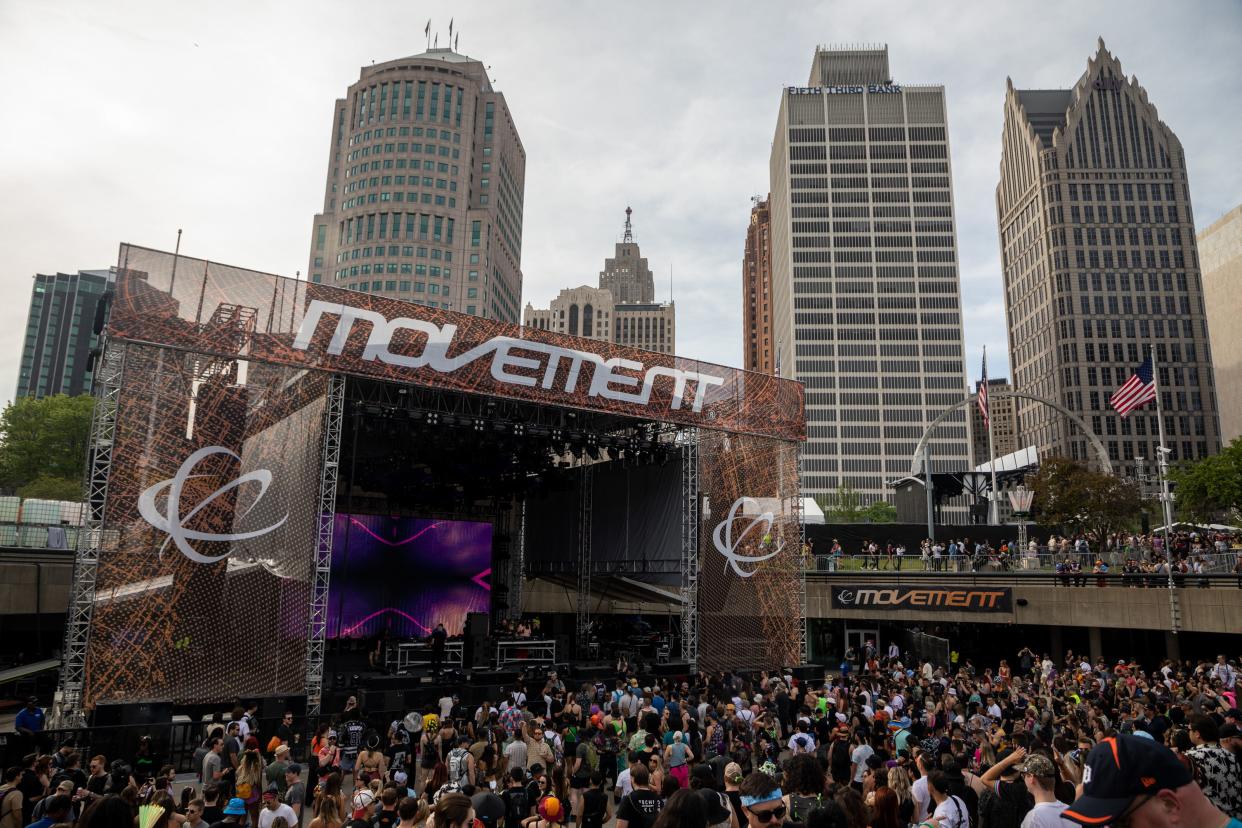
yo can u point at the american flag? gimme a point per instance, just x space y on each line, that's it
1137 391
982 396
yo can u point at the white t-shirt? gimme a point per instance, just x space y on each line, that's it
922 799
624 783
267 815
952 813
1047 815
859 759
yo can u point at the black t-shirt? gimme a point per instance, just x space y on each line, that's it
213 814
594 806
517 805
640 808
386 819
396 757
353 737
31 788
97 784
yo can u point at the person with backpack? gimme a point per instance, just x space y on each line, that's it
516 797
460 763
950 810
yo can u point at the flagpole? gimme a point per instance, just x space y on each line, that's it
1166 500
993 507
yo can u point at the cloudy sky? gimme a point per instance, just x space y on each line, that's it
129 119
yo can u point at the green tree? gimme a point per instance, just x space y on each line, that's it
43 445
1073 496
1212 487
843 506
881 511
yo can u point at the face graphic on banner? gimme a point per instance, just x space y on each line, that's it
173 522
727 545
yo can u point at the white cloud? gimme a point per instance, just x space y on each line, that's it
125 121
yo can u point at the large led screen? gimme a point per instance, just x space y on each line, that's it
401 576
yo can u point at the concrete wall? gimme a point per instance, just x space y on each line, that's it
1218 609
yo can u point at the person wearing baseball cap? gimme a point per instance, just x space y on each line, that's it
1040 777
1140 783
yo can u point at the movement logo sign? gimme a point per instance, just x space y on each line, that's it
727 545
935 599
616 379
174 523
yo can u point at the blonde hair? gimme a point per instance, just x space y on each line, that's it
899 782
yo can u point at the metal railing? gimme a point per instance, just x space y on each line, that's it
1044 562
996 577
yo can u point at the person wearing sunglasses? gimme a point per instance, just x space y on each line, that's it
762 801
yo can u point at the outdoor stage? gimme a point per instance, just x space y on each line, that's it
276 465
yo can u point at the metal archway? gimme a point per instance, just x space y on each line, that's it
1082 425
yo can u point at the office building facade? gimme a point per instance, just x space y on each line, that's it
865 293
1099 260
1003 413
1220 256
425 187
596 313
758 353
65 310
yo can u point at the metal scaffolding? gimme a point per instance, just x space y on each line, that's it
333 414
585 497
517 565
91 537
795 502
689 440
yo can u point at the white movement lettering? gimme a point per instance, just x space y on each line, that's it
608 378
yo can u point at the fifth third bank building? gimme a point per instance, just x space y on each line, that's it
866 297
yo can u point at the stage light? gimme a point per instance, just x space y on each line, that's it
433 418
478 425
519 429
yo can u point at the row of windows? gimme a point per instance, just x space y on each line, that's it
386 101
400 196
406 251
1105 328
862 211
816 134
433 271
864 302
864 350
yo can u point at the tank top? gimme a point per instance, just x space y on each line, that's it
677 755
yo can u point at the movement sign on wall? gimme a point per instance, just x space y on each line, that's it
207 539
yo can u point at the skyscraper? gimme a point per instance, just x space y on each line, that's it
757 291
424 193
1098 251
1220 253
865 294
60 332
1002 412
626 275
638 320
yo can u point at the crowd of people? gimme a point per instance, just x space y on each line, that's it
896 742
1186 553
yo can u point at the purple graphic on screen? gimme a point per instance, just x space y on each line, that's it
402 576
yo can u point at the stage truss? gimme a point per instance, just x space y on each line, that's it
585 505
333 415
689 440
91 536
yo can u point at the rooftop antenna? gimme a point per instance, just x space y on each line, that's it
628 238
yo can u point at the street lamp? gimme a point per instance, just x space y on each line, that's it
1020 498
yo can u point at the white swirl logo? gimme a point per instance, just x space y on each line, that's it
727 545
174 522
